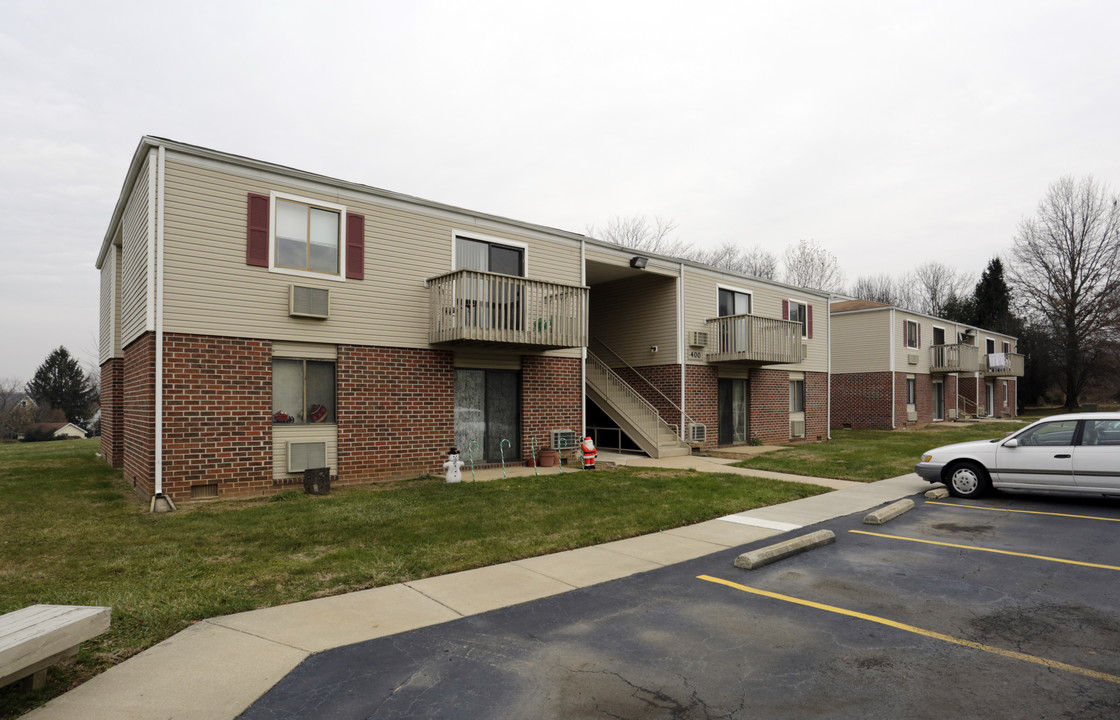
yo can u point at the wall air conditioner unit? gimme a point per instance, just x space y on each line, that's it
697 432
306 455
911 416
698 339
797 428
952 413
309 302
912 358
564 439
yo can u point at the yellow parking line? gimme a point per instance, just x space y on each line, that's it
990 550
1053 664
1024 512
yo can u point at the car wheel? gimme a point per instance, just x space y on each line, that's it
967 480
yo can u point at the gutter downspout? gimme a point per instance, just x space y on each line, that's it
894 340
828 399
680 348
160 502
583 350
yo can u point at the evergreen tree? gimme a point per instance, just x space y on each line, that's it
60 383
992 301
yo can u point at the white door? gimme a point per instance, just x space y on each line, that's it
1042 458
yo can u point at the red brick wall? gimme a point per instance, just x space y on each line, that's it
138 393
770 405
666 378
396 412
112 411
702 400
816 405
551 399
217 405
862 400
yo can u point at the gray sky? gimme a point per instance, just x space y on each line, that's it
893 133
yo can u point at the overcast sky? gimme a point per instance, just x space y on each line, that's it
892 133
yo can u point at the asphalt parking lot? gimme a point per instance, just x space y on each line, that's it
1004 607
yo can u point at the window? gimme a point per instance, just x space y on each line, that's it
797 396
938 336
307 237
303 391
471 254
912 334
911 391
1006 347
799 312
989 346
734 302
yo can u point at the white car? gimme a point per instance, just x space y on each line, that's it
1079 452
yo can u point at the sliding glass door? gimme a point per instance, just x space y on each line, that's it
487 411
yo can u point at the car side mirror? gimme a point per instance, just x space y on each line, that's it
1013 442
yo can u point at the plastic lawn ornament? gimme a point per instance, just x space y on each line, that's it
502 450
471 447
454 466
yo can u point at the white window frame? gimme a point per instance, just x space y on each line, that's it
340 276
911 385
917 334
306 359
944 335
468 235
732 288
804 320
794 411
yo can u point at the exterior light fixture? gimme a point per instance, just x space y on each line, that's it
638 262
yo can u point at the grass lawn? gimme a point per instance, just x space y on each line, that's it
869 455
73 533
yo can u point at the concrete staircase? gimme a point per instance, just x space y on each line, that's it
633 413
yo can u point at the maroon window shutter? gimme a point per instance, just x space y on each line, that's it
809 318
355 246
256 244
919 334
785 309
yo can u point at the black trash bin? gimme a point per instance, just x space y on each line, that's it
317 481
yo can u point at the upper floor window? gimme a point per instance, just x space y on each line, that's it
799 312
938 336
989 346
912 334
307 237
488 256
1006 347
734 302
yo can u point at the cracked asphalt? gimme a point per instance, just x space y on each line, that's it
958 609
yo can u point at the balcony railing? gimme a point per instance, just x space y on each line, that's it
954 358
483 307
753 339
1002 365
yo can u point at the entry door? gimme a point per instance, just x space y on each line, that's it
487 411
989 400
734 411
1043 457
939 401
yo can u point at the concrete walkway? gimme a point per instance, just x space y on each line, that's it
216 668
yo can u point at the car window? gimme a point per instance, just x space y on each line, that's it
1101 432
1050 434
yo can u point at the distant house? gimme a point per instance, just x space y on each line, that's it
59 430
893 368
26 402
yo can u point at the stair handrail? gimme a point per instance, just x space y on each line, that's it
648 421
647 381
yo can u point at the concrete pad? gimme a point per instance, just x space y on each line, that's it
488 588
760 523
330 622
586 566
663 548
888 513
205 672
779 551
724 533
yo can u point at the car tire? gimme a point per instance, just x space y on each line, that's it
967 480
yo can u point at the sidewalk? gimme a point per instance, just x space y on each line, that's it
216 668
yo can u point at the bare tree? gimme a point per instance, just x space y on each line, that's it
807 264
13 418
729 256
642 233
877 288
932 285
1066 268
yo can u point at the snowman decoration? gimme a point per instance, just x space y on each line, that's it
454 467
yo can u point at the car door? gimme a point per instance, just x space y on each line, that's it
1039 458
1096 460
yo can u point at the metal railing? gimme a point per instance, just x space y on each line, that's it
598 342
752 338
472 305
624 399
954 358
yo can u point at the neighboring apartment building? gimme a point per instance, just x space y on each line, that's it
257 320
895 368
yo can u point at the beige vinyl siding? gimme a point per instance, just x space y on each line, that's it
861 342
925 340
136 295
486 358
304 350
642 313
702 304
284 434
110 324
210 290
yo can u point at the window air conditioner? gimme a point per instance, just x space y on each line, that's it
564 439
309 302
912 416
698 338
697 432
797 428
306 455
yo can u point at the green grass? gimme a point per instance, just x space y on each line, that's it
74 533
869 455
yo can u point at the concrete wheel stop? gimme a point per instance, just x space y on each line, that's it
890 512
773 553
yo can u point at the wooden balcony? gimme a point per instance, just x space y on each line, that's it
753 340
1002 365
954 358
471 306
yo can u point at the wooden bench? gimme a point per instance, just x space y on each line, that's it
36 637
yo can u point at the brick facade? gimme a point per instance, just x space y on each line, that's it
551 399
112 411
863 400
139 403
769 414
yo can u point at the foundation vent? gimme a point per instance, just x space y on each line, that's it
306 455
201 492
309 302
